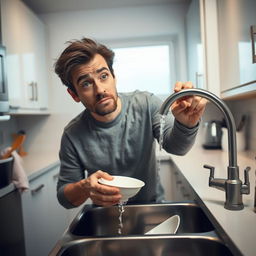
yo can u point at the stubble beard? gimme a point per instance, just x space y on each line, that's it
104 109
107 108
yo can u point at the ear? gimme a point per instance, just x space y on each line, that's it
73 95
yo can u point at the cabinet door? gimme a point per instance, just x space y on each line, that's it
33 59
11 36
58 219
24 37
235 18
36 218
194 45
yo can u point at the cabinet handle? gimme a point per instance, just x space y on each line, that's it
35 190
253 35
36 91
198 76
32 90
184 192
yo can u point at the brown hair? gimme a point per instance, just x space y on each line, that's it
77 53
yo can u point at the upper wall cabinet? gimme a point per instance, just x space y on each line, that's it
236 46
23 34
194 45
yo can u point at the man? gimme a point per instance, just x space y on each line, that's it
115 134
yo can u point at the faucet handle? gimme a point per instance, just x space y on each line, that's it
246 185
211 168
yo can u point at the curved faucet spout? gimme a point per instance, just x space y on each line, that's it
232 149
232 185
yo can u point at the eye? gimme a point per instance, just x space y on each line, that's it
104 76
85 84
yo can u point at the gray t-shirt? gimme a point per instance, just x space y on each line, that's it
124 146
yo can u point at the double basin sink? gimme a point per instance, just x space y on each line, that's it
94 232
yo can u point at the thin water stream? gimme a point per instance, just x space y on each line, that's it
161 132
161 139
120 218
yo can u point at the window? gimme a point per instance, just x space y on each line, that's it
144 68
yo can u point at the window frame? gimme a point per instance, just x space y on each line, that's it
170 41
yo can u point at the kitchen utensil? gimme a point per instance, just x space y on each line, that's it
169 226
15 145
240 140
241 124
212 134
128 186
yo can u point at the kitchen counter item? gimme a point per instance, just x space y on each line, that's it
240 140
212 134
128 186
169 226
15 145
6 170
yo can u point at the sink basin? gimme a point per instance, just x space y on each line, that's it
138 219
148 246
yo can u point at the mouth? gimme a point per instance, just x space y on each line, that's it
104 100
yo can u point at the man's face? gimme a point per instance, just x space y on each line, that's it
95 86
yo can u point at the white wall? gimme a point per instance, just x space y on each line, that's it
113 24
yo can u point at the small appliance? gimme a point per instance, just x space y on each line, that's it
212 134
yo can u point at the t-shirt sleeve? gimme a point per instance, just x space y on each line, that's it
70 169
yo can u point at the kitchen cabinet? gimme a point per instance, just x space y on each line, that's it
23 34
44 218
181 189
11 228
235 18
194 45
175 185
36 218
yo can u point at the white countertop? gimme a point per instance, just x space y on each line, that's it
239 225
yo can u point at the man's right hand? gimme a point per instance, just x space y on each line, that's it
100 194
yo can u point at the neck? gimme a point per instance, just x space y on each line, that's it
111 116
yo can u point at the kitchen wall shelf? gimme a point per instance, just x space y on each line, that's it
240 92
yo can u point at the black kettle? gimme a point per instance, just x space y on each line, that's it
212 134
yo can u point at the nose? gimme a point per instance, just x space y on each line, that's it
98 88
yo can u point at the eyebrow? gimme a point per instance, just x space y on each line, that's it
87 75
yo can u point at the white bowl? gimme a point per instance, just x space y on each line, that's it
128 186
169 226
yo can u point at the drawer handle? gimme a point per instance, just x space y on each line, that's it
55 176
36 190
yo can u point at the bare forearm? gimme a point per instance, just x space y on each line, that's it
76 193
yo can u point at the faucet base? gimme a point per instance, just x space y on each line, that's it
234 207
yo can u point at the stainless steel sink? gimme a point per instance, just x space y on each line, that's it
148 246
138 219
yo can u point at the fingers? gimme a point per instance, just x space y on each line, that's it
188 110
101 194
181 85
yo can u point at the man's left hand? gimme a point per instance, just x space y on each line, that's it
188 110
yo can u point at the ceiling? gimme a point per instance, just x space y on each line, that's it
49 6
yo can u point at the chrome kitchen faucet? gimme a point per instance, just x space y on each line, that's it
232 185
